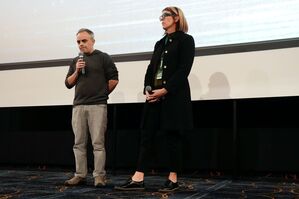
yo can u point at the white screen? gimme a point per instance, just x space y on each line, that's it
34 30
269 73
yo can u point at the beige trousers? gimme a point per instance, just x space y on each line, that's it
89 120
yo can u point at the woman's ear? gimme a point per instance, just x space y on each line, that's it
176 19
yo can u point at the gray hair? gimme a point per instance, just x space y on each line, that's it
86 30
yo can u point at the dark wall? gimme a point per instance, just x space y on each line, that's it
229 135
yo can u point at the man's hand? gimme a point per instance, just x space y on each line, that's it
79 65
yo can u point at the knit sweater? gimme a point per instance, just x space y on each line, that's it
92 87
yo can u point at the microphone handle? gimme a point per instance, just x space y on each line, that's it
81 56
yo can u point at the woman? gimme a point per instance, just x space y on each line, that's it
168 107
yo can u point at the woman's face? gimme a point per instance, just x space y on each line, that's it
168 21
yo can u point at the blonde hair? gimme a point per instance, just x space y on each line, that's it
182 24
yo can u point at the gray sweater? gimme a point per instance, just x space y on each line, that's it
92 87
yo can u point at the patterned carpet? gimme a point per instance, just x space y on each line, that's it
42 183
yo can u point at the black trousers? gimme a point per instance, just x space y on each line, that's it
171 144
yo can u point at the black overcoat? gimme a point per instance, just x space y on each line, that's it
175 108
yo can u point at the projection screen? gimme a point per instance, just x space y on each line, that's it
35 30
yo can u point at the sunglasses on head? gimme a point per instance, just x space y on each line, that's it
166 14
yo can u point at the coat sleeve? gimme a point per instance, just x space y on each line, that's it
149 75
185 59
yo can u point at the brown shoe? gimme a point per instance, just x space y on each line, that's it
100 181
76 180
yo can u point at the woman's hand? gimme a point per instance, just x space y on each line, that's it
155 95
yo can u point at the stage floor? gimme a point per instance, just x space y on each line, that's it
46 184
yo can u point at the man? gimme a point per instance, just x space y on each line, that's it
94 76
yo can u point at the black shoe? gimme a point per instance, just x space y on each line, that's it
131 185
169 186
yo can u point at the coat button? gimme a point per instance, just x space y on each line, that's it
165 66
166 51
170 40
164 82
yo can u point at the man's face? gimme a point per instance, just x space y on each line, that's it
85 42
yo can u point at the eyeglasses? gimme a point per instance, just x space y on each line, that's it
166 14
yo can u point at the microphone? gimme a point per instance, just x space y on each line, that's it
149 89
81 56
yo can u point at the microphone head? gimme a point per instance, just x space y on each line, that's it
148 89
81 55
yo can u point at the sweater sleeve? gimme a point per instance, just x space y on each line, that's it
70 72
111 71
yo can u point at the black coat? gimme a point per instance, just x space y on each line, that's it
174 111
